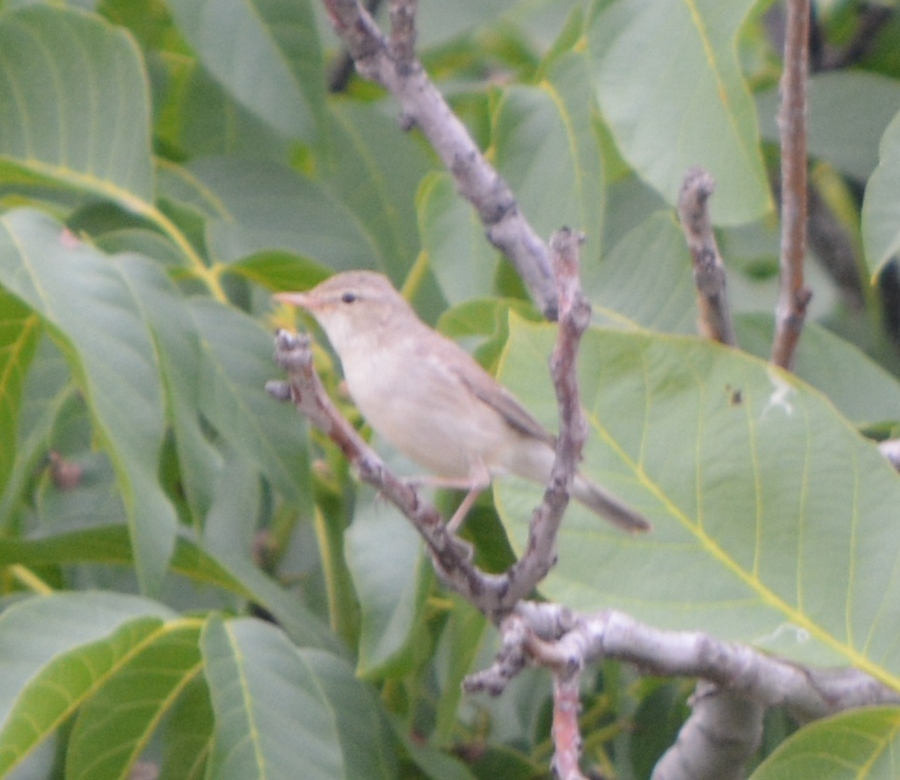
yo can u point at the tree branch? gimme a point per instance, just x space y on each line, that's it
392 64
568 640
793 297
709 271
740 680
717 741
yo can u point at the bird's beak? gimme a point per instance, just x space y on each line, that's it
304 300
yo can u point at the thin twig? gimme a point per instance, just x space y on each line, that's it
575 317
714 320
565 731
793 297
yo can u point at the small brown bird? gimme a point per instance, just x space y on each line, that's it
431 400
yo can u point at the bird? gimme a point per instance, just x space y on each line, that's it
431 400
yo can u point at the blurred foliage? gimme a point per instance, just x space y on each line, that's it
194 581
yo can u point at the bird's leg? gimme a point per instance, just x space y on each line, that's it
459 516
476 483
479 480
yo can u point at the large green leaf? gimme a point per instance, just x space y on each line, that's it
19 333
236 363
391 584
848 113
773 519
74 103
189 735
856 745
671 90
264 52
210 122
646 279
375 170
46 392
57 650
440 22
276 705
547 151
178 342
261 205
881 207
863 391
463 640
229 570
115 725
453 238
98 322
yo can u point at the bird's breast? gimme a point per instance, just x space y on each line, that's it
423 410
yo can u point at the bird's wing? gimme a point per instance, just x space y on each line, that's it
487 389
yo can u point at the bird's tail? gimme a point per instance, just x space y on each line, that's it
607 505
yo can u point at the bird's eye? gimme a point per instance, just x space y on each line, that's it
348 297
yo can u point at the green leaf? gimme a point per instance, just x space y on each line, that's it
265 54
57 651
189 735
19 334
440 22
670 88
97 320
210 122
435 764
462 642
236 363
391 583
453 238
47 390
280 271
881 207
261 205
860 388
547 151
646 279
74 104
114 726
375 171
109 545
220 569
766 503
856 745
848 113
178 343
234 515
297 621
273 703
